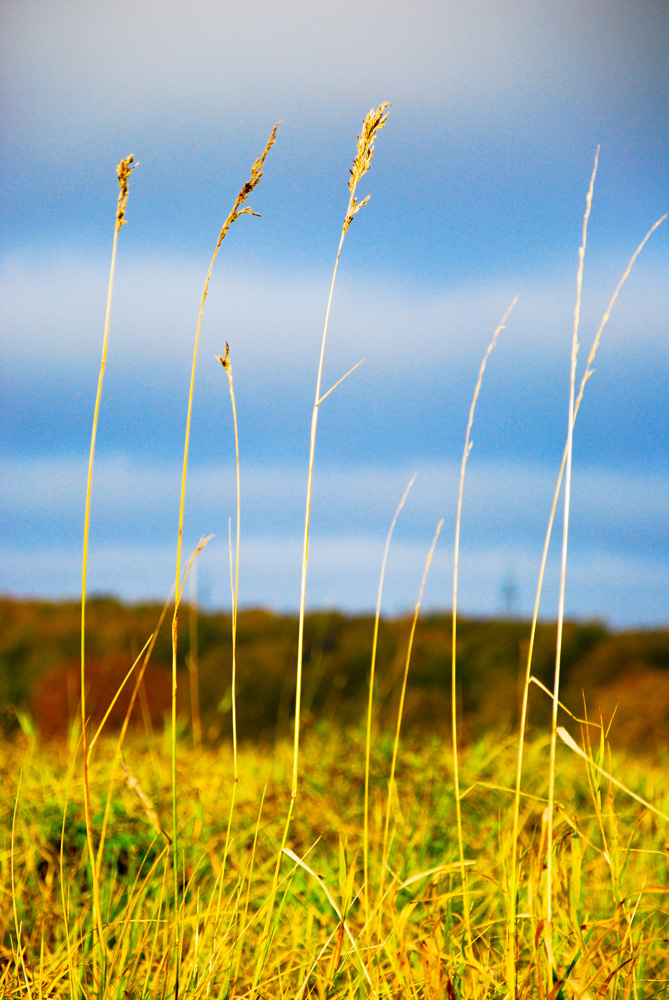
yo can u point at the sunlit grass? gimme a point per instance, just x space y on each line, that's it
405 867
610 876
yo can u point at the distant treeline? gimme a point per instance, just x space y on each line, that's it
603 673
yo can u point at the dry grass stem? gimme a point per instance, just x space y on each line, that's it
548 932
400 710
372 124
123 172
370 701
237 210
565 898
511 946
456 558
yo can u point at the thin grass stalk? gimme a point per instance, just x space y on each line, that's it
123 172
234 595
17 925
247 901
456 557
225 361
372 125
511 940
400 710
548 931
193 661
140 676
61 871
110 789
236 212
370 701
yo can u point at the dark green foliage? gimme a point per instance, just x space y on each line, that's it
39 650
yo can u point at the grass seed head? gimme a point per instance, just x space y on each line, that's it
123 171
256 174
225 360
371 126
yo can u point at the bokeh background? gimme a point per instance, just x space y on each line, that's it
477 194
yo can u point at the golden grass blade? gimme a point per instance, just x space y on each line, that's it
339 382
542 569
227 367
123 172
234 596
456 557
432 872
370 700
118 692
400 710
548 934
373 123
235 213
573 745
333 904
17 925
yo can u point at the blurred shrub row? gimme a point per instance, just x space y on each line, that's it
626 674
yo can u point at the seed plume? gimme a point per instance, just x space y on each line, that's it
371 127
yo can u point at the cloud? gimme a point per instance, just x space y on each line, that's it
154 47
422 347
477 195
80 72
53 311
616 565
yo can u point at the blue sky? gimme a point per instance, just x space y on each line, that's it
477 194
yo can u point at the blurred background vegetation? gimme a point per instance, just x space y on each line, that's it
624 676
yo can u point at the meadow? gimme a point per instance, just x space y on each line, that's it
355 857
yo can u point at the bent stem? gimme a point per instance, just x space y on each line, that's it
456 557
236 212
513 890
123 172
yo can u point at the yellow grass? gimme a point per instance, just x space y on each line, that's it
347 863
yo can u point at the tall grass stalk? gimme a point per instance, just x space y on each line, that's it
193 660
234 594
17 925
235 213
456 558
234 582
548 931
372 125
385 854
61 872
370 700
123 172
513 881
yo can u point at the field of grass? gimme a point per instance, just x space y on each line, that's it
330 930
351 861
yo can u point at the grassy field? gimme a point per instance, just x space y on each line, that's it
349 861
329 930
